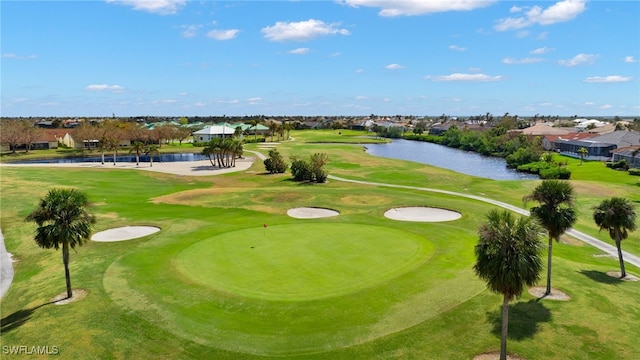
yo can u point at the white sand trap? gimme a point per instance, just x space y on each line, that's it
422 214
124 233
311 213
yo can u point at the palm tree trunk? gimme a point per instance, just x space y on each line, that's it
103 157
505 327
550 252
137 159
623 273
151 160
65 261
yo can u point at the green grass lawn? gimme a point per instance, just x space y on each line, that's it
214 283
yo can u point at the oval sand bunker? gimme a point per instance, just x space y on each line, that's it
311 213
124 233
422 214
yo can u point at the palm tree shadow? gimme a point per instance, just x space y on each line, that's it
19 318
601 277
524 318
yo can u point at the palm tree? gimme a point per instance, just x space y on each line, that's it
138 148
508 259
619 217
152 150
583 152
63 221
555 213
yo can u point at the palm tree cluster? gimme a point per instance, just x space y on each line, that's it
508 249
223 151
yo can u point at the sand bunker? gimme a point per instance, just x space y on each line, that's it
124 233
422 214
311 213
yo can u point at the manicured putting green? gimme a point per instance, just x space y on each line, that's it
302 261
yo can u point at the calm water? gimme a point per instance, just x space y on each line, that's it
465 162
120 158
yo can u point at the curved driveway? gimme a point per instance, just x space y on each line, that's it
599 244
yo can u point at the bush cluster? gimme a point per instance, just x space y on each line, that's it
546 170
618 165
275 163
634 171
312 171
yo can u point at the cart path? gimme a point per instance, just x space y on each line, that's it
599 244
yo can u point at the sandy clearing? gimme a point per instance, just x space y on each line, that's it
124 233
422 214
185 168
311 213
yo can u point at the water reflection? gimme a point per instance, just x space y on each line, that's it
465 162
120 158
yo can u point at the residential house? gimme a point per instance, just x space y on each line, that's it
600 147
549 140
630 153
212 132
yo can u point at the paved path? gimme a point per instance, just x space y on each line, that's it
6 268
599 244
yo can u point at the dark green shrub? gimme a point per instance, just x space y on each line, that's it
523 155
301 170
634 171
555 173
618 165
275 164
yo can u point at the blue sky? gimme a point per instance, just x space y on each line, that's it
346 57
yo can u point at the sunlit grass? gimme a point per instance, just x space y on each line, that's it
141 305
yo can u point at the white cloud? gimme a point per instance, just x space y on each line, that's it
559 12
223 34
540 51
579 59
607 79
605 106
254 100
417 7
189 31
511 61
335 54
359 71
18 57
300 51
465 77
162 7
104 87
301 31
457 48
629 59
394 67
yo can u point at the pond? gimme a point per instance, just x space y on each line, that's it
120 158
465 162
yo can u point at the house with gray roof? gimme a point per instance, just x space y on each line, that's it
599 147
